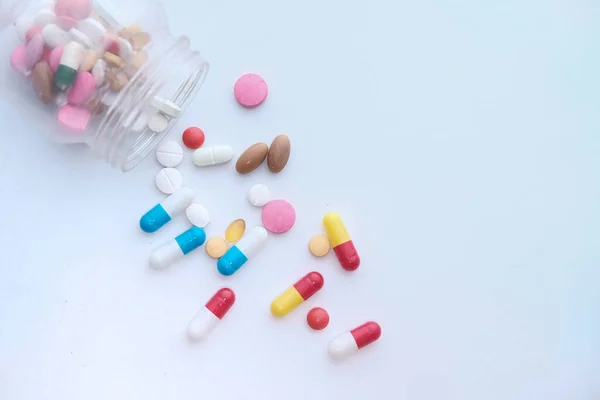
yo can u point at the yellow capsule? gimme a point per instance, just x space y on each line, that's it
285 303
235 231
336 231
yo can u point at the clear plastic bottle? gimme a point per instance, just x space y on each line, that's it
165 68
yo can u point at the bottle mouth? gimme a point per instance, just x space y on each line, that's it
124 137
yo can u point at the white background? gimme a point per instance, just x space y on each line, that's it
458 139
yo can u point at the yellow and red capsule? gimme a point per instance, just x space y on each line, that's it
341 242
297 294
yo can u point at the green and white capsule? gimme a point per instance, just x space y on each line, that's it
69 64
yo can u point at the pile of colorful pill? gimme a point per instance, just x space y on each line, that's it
79 58
238 245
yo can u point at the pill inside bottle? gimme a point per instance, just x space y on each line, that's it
115 72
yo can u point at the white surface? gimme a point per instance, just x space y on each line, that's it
168 180
198 215
259 195
478 222
169 153
202 325
211 156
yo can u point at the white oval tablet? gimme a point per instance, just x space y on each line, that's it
259 195
198 215
207 156
99 72
169 180
81 37
169 154
54 36
93 29
158 123
44 17
166 106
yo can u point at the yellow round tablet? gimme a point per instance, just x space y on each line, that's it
319 245
235 231
216 247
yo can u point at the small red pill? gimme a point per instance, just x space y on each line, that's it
317 318
193 138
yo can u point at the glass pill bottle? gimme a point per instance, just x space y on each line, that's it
107 73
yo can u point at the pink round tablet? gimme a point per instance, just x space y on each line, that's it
83 88
278 216
80 9
54 58
73 118
250 90
67 22
17 59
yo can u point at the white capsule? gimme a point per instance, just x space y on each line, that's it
208 156
202 325
175 249
162 213
93 29
44 17
342 346
72 55
252 242
54 36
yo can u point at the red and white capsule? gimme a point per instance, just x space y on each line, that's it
350 342
211 314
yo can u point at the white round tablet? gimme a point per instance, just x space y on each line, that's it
169 180
44 18
54 36
198 215
169 154
259 195
158 123
125 49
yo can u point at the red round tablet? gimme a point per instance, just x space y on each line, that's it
317 318
193 138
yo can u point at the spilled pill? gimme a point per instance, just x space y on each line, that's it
235 230
175 249
208 156
162 213
210 315
169 180
169 154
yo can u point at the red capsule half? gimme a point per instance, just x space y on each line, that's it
221 302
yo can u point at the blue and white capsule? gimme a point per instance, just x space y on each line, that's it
162 213
174 250
245 249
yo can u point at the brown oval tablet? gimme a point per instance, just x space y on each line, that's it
141 39
130 31
279 153
89 59
252 158
235 231
114 60
42 81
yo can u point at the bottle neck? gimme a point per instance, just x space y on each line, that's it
175 72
